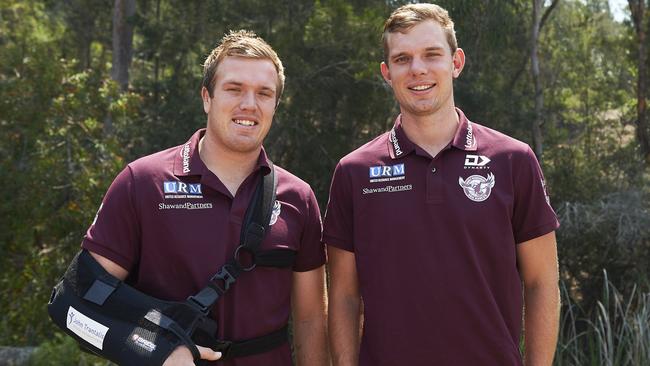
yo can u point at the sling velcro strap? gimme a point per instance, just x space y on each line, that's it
165 322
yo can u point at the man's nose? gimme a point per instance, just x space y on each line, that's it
418 66
248 100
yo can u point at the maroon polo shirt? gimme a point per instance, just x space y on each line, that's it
172 223
435 244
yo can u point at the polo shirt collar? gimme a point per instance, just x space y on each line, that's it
465 138
187 160
399 144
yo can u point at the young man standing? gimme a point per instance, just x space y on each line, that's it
433 226
171 219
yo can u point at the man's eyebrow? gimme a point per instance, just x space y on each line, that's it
268 88
428 49
398 55
239 83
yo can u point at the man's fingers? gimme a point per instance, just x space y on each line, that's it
208 354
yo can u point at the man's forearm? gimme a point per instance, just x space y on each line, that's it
541 322
344 332
310 342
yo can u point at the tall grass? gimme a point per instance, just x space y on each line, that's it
614 333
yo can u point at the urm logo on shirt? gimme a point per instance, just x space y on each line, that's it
384 173
176 189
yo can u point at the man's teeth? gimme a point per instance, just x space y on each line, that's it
422 87
244 122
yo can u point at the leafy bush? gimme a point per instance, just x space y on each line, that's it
63 350
611 233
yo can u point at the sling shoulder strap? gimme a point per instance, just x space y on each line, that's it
254 227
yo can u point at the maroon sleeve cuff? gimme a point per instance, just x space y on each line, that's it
337 243
537 232
305 267
107 253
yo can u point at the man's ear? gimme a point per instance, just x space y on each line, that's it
385 72
459 62
207 100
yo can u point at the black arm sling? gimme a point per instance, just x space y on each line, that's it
118 322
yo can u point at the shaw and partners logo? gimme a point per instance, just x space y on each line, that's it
386 173
176 189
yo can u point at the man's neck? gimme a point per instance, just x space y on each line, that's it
231 167
432 132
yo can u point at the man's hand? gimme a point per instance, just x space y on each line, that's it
183 357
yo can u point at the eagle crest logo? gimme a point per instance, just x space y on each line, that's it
275 213
477 187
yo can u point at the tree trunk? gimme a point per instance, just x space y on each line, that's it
122 41
156 88
123 11
638 10
534 61
538 121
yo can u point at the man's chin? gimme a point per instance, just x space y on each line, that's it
421 111
244 147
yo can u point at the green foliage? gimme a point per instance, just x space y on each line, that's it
64 350
335 99
56 163
611 233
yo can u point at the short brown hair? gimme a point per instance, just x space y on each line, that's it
241 43
407 16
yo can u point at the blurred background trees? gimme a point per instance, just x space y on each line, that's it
74 111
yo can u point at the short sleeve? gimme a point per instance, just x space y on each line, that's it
311 254
115 232
338 225
533 215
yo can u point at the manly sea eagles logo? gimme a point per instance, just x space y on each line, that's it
275 213
476 187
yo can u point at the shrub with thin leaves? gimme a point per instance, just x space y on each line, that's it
617 333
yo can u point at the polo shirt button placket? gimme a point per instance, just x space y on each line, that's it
435 184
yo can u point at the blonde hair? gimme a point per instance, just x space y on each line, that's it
407 16
241 43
